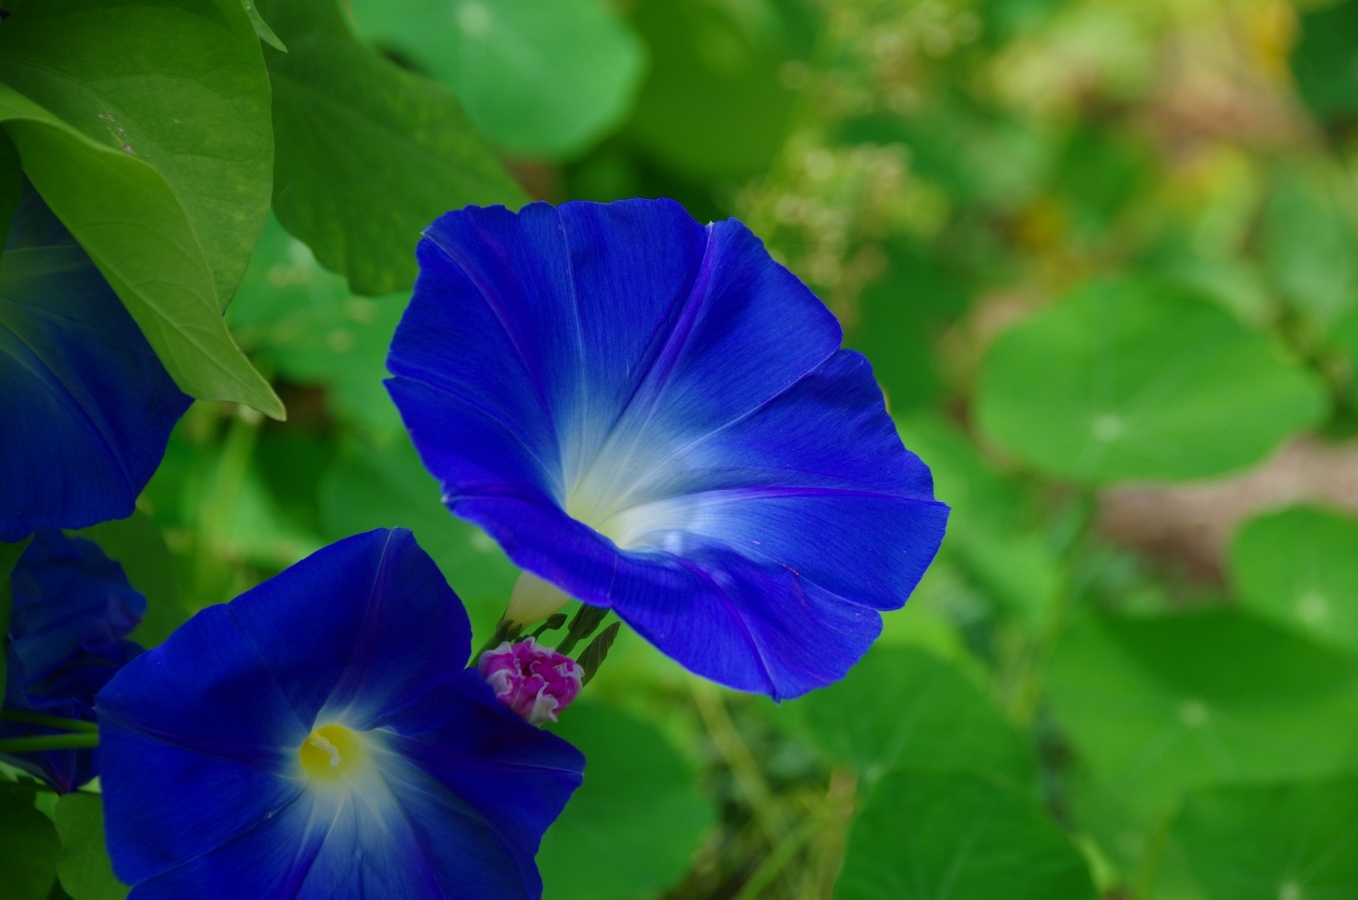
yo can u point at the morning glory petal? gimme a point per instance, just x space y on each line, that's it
72 610
695 452
87 406
320 737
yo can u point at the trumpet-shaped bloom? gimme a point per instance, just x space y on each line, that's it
656 417
72 612
87 407
320 737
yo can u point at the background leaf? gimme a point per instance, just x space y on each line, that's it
1299 567
83 864
28 845
1274 842
138 546
951 836
302 322
901 708
367 154
1156 706
629 830
538 77
1138 381
1325 59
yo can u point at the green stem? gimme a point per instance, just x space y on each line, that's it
49 742
30 718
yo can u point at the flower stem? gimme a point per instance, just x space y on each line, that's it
31 718
49 742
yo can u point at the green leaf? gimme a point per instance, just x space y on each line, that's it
902 708
953 836
370 487
538 77
28 846
1133 380
146 129
1309 235
9 555
1325 60
630 829
303 320
11 184
262 27
83 864
713 104
137 544
367 154
1299 567
1157 706
991 531
1276 842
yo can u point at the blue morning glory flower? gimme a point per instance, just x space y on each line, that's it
320 737
72 612
87 407
657 418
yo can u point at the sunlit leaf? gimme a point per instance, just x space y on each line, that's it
1135 380
538 77
368 154
926 835
1310 241
146 129
630 828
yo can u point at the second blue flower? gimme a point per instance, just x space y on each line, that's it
655 416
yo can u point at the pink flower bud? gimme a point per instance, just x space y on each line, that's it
534 681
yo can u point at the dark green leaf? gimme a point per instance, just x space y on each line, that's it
136 543
713 104
1275 842
28 846
382 488
146 129
1135 380
11 184
1157 706
1325 60
538 77
9 555
83 864
631 827
902 708
367 154
952 836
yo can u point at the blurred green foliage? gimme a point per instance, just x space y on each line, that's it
1093 248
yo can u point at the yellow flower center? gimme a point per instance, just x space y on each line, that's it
331 751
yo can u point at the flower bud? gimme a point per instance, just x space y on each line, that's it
534 681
